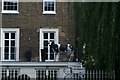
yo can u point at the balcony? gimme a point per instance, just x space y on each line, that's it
40 70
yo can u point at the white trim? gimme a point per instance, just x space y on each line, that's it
10 11
16 30
37 64
49 12
42 30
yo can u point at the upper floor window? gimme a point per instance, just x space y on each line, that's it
49 7
10 6
9 44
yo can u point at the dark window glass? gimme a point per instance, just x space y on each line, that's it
5 8
12 56
51 35
46 49
5 3
46 6
6 42
45 35
15 8
13 43
12 35
6 35
45 43
10 5
51 56
6 50
12 49
46 56
51 50
6 56
52 7
49 6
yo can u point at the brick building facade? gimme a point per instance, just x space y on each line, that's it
31 19
25 29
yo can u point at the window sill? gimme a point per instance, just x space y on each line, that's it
8 60
49 12
10 12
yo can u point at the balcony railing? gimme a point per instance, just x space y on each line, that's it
40 70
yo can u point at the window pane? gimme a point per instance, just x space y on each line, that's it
46 5
6 42
51 56
12 35
6 56
46 57
10 5
52 8
12 49
51 35
12 56
5 8
15 8
6 50
6 35
45 43
5 3
46 49
15 4
13 43
51 50
45 35
49 6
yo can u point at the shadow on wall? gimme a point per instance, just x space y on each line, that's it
28 55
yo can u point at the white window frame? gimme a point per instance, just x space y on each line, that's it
49 12
10 11
56 39
16 30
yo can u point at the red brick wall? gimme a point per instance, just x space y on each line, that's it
30 19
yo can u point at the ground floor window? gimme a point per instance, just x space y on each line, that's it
10 44
47 35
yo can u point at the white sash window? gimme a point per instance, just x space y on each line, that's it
49 7
9 44
10 6
46 35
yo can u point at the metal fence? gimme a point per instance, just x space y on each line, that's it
99 75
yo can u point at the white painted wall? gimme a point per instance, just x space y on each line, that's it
61 73
30 71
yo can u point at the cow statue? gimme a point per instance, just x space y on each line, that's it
57 48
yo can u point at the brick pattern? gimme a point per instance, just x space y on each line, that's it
30 19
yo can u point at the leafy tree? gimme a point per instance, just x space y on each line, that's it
98 35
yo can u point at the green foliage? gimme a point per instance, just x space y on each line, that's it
97 29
